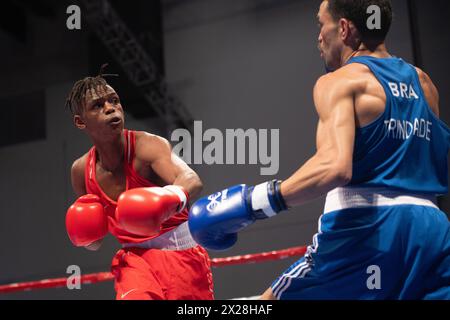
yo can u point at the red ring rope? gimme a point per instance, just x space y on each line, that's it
106 276
259 257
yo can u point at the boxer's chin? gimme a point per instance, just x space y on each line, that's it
328 67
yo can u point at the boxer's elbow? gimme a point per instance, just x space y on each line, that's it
336 170
341 174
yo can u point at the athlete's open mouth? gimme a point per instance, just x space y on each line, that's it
115 120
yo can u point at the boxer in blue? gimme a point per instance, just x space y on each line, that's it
381 160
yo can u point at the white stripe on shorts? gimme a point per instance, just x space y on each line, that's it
352 197
285 280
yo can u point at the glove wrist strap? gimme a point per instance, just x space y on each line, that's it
179 191
261 203
266 199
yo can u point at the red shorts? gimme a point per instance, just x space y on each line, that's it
154 274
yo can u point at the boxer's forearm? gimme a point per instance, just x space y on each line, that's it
191 183
314 179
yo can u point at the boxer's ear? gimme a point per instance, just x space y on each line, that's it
79 122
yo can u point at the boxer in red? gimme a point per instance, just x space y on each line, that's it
132 185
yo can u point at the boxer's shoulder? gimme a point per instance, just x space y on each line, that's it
149 145
353 74
423 76
339 82
349 79
79 164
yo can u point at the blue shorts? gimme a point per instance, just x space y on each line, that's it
380 252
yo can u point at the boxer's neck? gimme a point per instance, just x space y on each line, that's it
378 51
110 153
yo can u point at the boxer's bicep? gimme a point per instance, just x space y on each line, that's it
168 167
165 165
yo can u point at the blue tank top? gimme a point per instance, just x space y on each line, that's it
406 147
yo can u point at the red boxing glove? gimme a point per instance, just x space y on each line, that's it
141 211
86 221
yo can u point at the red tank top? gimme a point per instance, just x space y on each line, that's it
133 180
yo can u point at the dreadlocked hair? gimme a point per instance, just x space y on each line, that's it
77 95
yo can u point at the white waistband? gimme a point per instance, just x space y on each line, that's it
351 197
177 239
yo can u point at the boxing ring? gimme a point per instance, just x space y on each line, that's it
93 278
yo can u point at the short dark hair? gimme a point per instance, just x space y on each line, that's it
77 95
356 11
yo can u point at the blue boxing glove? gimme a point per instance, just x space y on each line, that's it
214 221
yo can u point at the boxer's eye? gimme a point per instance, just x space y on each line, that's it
97 105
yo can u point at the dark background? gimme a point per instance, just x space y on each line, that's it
231 63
